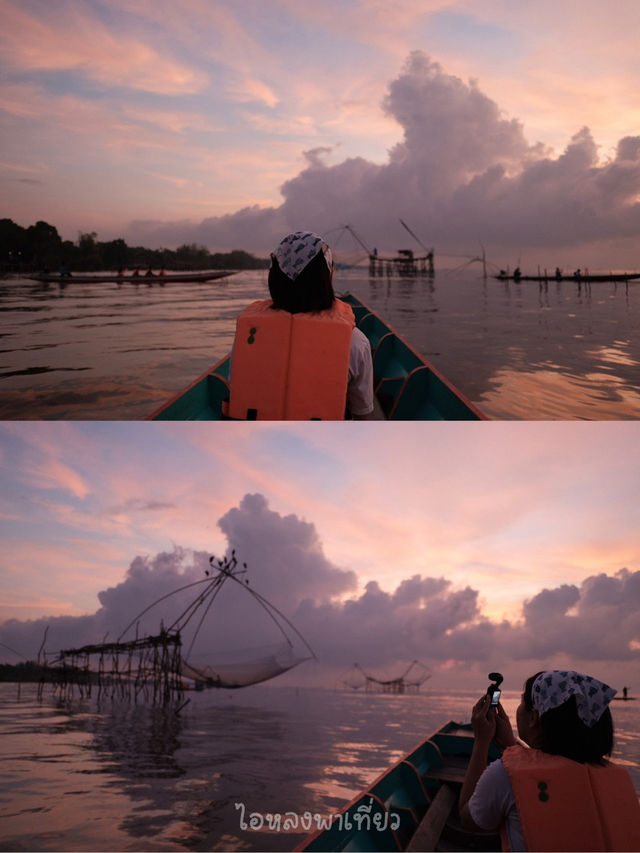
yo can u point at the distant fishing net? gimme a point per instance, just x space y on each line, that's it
409 681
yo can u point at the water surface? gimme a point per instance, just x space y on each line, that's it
518 350
89 775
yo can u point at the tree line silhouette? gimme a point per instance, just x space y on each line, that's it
39 247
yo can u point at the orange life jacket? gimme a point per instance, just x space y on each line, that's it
564 805
291 366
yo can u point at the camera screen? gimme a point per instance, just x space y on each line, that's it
495 697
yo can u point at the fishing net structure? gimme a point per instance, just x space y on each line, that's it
159 666
410 681
242 672
404 263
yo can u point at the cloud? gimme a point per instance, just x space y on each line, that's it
427 618
139 505
45 471
285 553
250 90
75 39
600 620
452 131
550 605
462 172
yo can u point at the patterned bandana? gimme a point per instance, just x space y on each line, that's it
297 250
553 688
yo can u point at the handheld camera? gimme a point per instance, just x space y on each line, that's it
493 689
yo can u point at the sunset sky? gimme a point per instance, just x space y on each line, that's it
462 545
511 124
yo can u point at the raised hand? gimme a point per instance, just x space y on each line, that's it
484 719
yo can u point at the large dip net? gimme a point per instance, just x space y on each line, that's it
157 666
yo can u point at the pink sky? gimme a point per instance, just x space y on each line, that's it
536 524
226 123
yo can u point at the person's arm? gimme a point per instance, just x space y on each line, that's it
360 387
483 720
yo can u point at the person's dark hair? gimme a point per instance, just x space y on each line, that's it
312 290
564 733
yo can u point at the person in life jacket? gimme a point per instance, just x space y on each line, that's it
561 793
298 355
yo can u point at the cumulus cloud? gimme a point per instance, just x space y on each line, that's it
425 617
462 172
284 553
598 621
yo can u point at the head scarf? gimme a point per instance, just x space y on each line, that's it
296 250
555 687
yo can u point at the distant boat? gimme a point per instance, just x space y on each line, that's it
412 805
103 278
579 277
406 385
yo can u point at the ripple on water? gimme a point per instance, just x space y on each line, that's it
518 351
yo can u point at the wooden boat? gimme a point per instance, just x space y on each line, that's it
412 805
147 279
580 278
407 386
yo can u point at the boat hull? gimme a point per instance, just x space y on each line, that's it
113 277
413 804
407 386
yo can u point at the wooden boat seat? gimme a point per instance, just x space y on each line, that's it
428 832
451 771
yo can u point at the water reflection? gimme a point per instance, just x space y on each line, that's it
108 351
139 741
543 394
616 354
83 776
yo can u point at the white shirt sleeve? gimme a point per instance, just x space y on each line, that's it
493 803
360 388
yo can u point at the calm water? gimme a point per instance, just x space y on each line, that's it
76 775
517 350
